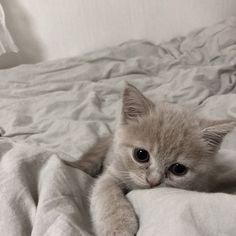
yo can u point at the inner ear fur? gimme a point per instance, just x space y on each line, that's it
135 104
214 131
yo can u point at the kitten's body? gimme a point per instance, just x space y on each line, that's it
170 135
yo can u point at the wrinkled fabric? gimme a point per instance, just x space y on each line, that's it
56 110
6 42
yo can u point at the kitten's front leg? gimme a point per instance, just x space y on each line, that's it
112 213
92 161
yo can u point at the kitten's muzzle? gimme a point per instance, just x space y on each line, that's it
153 182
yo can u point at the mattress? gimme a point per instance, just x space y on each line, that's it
56 110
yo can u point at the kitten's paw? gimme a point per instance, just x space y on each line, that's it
116 232
87 167
90 168
124 228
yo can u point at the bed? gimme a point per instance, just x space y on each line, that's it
54 111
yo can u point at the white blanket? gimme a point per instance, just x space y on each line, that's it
56 110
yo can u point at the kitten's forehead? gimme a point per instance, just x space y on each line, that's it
168 131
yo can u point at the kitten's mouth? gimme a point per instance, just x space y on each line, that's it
153 182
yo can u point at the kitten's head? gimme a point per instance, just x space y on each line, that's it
165 144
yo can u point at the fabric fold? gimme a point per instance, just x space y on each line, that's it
6 41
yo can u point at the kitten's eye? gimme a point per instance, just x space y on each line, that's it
178 169
141 155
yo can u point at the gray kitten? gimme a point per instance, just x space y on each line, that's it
152 146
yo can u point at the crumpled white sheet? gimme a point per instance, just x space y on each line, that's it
56 110
172 212
6 42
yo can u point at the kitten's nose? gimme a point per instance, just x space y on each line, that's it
153 182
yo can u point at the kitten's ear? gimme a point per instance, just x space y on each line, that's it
213 132
135 105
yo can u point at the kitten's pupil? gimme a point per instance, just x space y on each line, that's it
178 169
141 155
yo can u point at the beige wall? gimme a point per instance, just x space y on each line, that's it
49 29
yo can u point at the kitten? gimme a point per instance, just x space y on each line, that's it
152 146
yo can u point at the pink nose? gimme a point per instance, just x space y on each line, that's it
153 182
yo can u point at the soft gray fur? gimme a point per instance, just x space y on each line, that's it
171 135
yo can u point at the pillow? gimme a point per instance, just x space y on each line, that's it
7 44
168 212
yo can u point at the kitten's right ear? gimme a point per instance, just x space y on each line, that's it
213 132
135 104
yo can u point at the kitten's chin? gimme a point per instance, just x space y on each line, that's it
135 185
147 186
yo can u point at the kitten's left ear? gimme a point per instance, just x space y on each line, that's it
135 104
213 132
